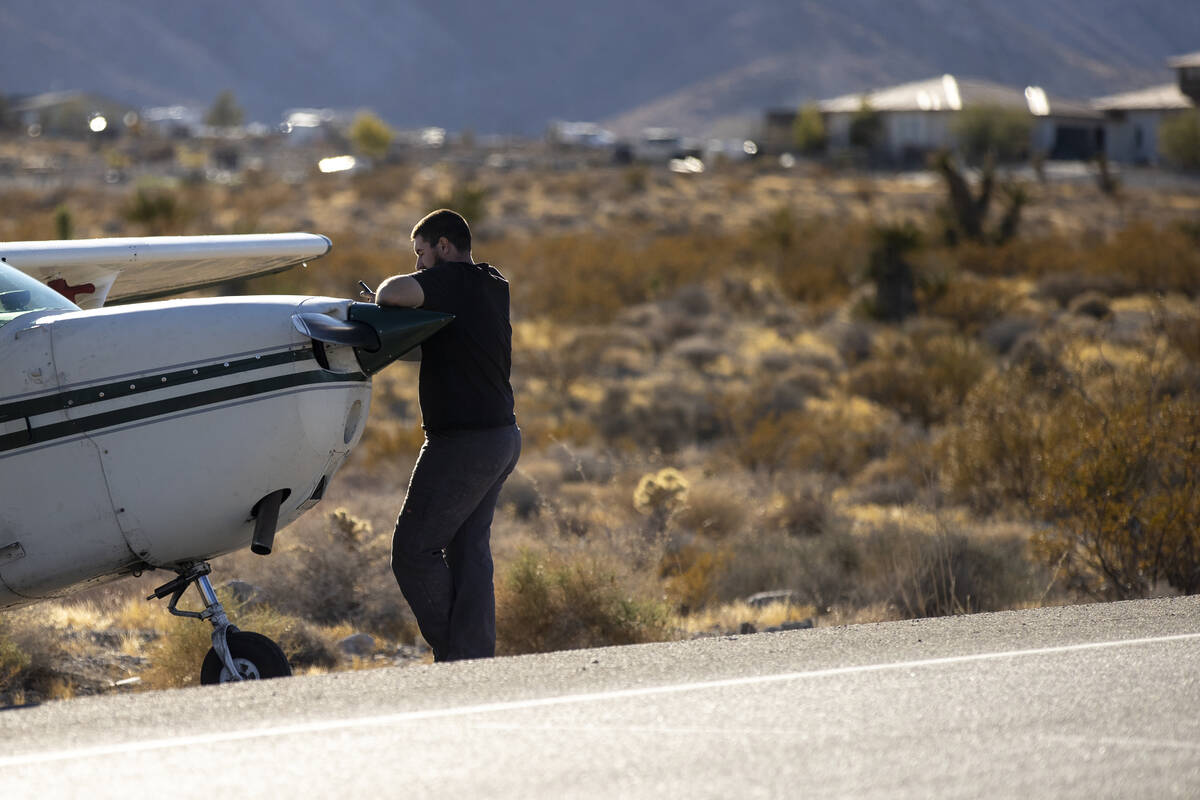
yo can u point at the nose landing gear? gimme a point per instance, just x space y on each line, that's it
235 655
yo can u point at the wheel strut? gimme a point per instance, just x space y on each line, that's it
214 612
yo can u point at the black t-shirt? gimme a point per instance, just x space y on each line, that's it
465 366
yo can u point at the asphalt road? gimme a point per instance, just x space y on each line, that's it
1086 701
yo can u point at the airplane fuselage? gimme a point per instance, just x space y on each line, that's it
143 436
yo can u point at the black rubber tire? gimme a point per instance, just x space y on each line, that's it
256 657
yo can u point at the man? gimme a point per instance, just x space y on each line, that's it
441 550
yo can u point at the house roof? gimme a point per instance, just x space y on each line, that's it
1188 60
948 93
1155 98
47 100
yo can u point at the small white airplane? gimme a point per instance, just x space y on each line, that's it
158 435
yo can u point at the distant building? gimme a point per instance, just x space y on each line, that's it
659 145
580 134
314 125
73 113
173 122
918 118
779 131
1134 118
1187 68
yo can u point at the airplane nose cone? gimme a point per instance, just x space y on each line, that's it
399 330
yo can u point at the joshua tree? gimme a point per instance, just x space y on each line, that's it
967 211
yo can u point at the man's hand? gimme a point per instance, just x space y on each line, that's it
366 293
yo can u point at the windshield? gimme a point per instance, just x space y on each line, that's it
20 293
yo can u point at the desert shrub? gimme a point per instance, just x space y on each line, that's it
839 435
1003 334
469 199
383 184
852 340
1150 258
890 481
522 493
778 391
1184 334
388 439
1064 287
175 657
714 510
634 179
158 210
1179 139
1105 452
13 660
812 260
820 569
946 571
1121 490
1091 304
800 505
31 661
546 602
971 302
334 570
991 458
664 415
925 378
688 569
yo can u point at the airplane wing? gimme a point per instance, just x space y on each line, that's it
91 272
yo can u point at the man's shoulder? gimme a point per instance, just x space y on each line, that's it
491 271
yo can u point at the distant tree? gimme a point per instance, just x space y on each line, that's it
370 135
1001 133
1179 140
866 127
225 112
808 131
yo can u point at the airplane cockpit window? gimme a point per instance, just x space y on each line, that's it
20 293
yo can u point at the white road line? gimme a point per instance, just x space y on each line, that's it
1090 742
542 702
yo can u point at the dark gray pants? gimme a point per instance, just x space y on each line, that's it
441 549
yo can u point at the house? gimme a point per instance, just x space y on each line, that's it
173 122
1187 68
918 118
1134 118
305 126
71 113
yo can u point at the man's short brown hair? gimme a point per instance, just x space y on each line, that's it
443 222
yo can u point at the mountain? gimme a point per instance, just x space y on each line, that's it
512 67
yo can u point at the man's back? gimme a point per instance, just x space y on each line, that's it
465 367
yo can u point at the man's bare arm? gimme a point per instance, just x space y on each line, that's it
400 290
